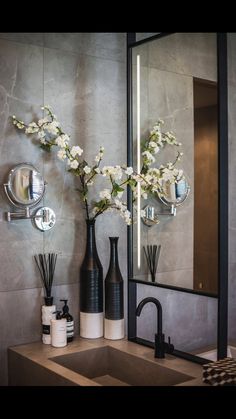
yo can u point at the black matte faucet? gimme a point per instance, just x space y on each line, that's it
160 345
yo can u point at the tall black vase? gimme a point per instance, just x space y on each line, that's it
114 296
91 289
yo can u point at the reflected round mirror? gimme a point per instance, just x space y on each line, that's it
25 186
175 193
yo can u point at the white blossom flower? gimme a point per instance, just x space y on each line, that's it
52 127
32 128
114 171
129 171
105 194
19 124
99 155
127 217
61 154
168 175
43 141
87 170
41 134
62 141
76 150
180 174
43 121
149 157
74 164
118 203
97 170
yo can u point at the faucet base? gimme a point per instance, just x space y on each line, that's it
159 345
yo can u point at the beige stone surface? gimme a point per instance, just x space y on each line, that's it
40 355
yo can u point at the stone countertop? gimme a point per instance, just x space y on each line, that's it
40 355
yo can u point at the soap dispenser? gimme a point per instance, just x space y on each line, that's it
70 321
58 331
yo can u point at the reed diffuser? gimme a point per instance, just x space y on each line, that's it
152 254
46 264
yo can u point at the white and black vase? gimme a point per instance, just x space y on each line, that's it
91 289
114 296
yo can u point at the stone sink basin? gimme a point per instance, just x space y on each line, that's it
108 366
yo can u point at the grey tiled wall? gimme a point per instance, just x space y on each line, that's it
83 77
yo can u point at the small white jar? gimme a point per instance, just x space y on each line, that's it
48 313
58 333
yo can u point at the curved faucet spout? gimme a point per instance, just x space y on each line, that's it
159 310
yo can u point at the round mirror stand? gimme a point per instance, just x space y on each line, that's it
44 218
25 189
150 217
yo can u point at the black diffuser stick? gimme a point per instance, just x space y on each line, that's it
46 264
152 254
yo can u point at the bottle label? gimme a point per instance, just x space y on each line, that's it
46 329
70 329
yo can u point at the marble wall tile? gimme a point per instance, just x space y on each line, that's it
93 97
22 84
29 38
176 250
107 45
180 52
24 309
88 95
190 320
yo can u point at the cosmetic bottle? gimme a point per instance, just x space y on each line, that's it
58 331
48 313
70 321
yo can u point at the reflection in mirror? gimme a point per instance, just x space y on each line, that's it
177 82
175 193
25 189
25 185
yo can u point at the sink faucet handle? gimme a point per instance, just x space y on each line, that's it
169 347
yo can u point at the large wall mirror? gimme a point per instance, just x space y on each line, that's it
177 83
180 78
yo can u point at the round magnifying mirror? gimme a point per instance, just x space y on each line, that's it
26 186
175 193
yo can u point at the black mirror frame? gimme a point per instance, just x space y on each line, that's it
222 296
